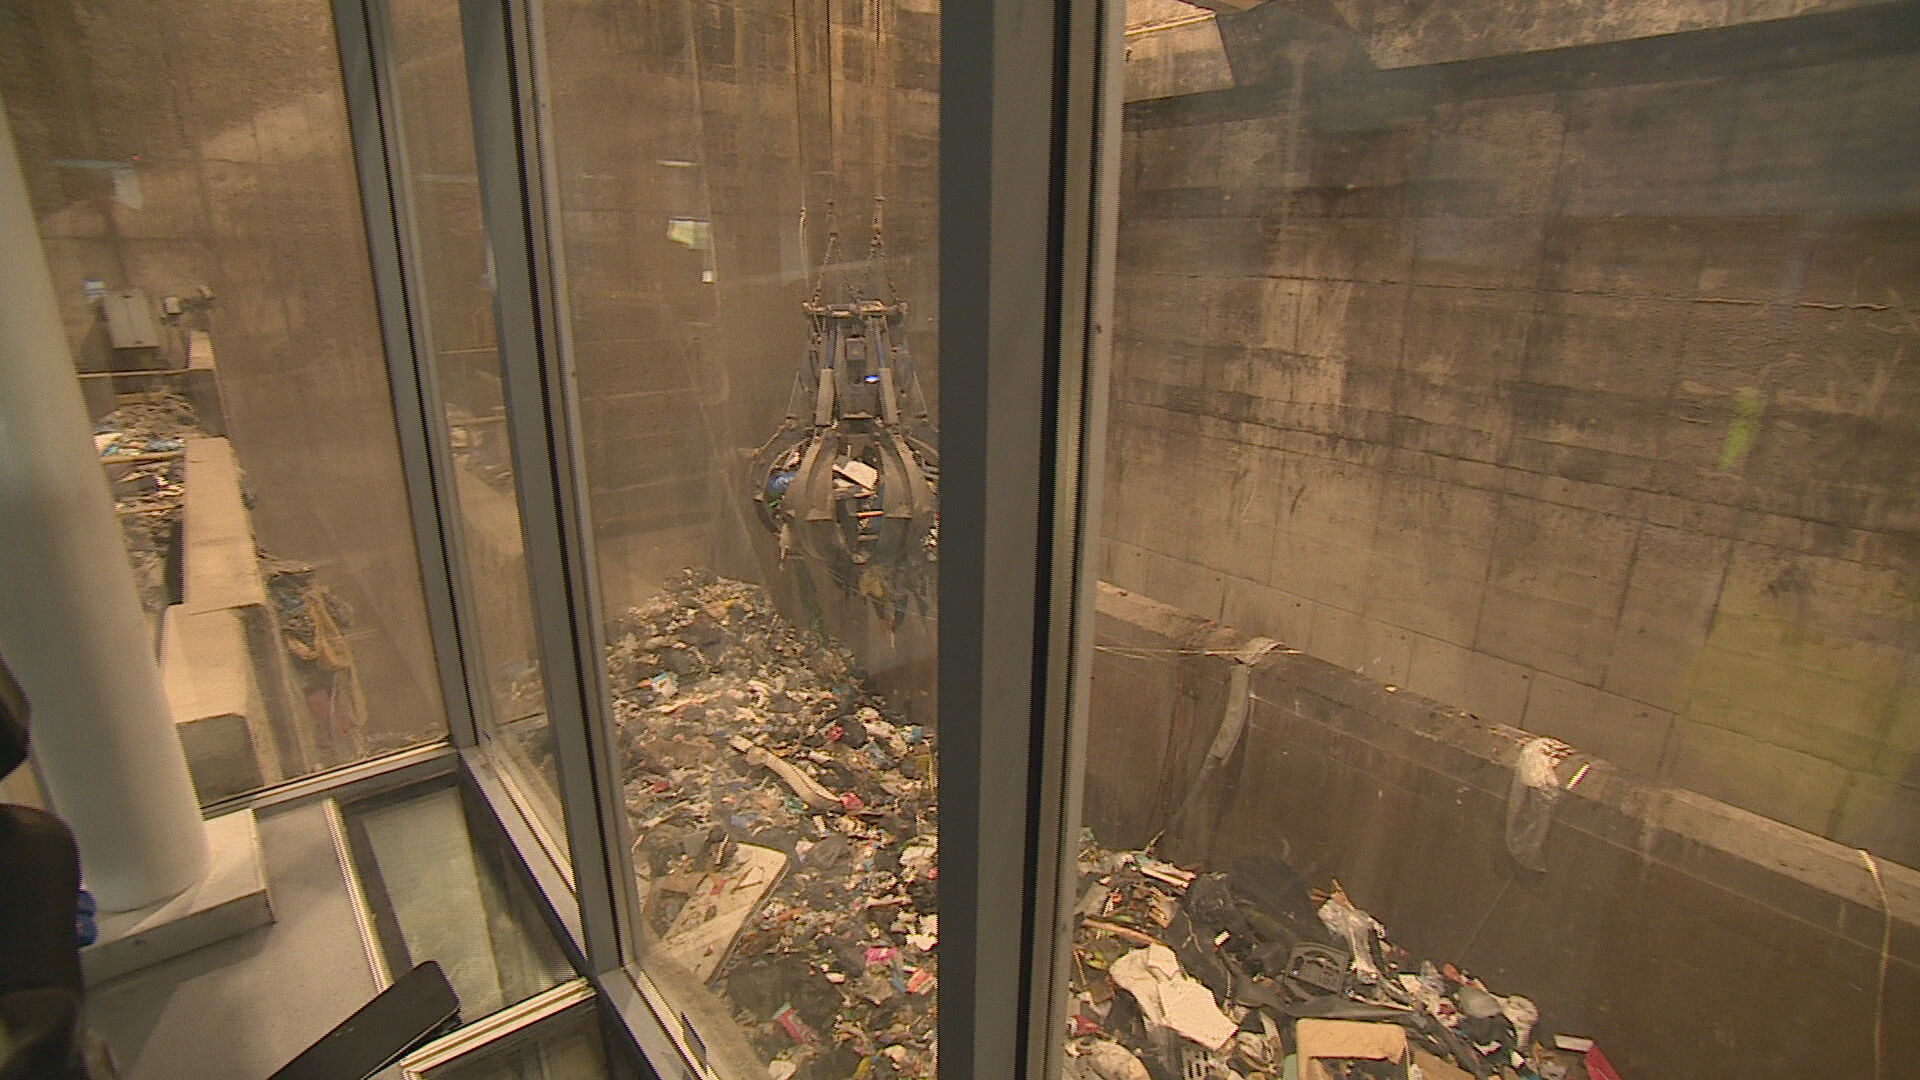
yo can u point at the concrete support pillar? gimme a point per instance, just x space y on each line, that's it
70 621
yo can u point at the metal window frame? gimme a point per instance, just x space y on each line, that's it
1093 96
368 61
1026 241
509 1027
362 28
353 779
501 42
1028 154
490 836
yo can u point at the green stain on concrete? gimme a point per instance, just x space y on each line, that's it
1748 405
1785 705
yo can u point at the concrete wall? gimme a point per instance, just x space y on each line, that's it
1571 386
235 115
1692 939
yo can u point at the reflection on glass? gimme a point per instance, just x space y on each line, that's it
1509 624
443 889
214 241
748 205
457 287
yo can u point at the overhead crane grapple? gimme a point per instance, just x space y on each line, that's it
850 480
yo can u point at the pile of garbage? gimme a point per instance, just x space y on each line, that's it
314 621
141 443
1185 975
786 826
149 423
311 616
787 838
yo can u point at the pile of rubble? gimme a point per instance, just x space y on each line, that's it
1184 975
149 423
312 617
786 830
141 443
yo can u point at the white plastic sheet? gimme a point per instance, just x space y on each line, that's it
1169 999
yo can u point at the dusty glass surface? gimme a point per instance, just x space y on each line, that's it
567 1049
443 887
747 205
213 240
457 285
1507 628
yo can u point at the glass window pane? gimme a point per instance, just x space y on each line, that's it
457 292
1507 627
195 193
443 886
750 264
567 1048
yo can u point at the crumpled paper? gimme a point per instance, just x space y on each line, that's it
1169 999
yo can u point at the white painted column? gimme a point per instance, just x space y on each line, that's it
70 621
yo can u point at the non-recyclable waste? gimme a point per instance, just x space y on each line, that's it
315 622
150 423
786 832
1184 974
311 616
786 838
148 495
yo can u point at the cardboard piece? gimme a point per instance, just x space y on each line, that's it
1320 1040
1433 1068
719 907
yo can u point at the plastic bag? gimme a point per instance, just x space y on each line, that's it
1359 930
1530 801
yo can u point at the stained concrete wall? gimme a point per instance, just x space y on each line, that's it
1690 938
1560 370
233 120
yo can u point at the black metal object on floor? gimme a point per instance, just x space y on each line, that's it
418 1006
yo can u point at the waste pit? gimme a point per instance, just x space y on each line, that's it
786 831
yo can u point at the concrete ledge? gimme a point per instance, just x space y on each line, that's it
214 692
228 659
201 384
221 565
229 901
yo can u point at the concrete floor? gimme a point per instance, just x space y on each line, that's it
242 1008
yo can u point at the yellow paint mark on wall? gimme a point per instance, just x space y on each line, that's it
1749 404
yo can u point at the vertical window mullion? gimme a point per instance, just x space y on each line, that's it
1087 225
1016 158
542 429
373 122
